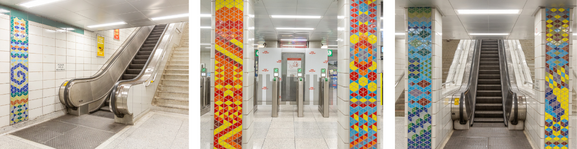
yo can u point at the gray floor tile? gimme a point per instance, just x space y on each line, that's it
306 125
281 133
270 143
257 143
310 144
308 134
282 124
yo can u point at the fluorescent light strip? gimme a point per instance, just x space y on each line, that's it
485 11
204 44
489 34
206 15
205 27
283 28
107 24
4 11
294 17
36 3
293 45
293 40
170 17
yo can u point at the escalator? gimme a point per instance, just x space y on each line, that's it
489 103
91 95
135 66
490 97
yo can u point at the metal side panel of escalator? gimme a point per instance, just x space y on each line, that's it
85 95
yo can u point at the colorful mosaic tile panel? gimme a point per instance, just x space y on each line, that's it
228 74
18 70
557 78
363 74
419 67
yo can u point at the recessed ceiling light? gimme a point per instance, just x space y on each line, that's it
205 27
293 40
293 45
489 34
488 11
170 17
107 24
284 28
294 17
68 29
205 15
204 44
36 3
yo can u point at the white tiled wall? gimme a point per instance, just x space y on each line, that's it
534 125
48 48
343 76
440 108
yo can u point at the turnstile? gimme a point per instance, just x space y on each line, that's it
204 91
254 95
275 93
324 94
300 95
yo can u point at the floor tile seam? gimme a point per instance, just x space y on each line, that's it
29 142
171 114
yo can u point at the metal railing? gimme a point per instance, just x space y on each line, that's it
514 102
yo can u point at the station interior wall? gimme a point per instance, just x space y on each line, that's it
46 50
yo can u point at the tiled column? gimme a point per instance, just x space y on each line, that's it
423 77
233 54
548 115
358 90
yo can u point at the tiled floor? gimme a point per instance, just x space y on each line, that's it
154 130
287 131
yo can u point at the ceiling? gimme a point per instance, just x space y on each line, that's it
265 27
82 13
519 26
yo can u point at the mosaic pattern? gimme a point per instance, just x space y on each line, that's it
419 65
363 74
557 78
18 70
228 74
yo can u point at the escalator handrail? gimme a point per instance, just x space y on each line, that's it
101 71
513 97
466 109
138 79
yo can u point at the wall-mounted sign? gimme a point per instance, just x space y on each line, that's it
60 67
255 52
100 46
117 34
330 52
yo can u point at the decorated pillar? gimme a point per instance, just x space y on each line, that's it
552 77
233 53
358 86
423 91
18 69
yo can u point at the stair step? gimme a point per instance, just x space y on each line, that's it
489 71
489 107
139 61
489 81
479 112
489 76
174 82
135 66
488 87
176 76
489 62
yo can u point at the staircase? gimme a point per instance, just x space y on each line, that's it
489 103
400 106
172 93
143 54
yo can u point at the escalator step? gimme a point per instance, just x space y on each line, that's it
489 106
129 76
144 52
149 45
490 62
135 66
146 48
489 120
489 71
133 71
489 99
489 86
489 81
139 61
142 56
489 52
489 76
489 59
489 93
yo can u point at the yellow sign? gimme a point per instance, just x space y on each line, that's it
100 44
456 101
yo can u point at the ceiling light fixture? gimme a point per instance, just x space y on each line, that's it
36 3
205 27
107 24
68 29
293 40
294 17
488 11
293 45
489 34
206 15
4 11
205 44
284 28
170 17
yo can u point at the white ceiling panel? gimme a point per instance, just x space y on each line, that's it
82 13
